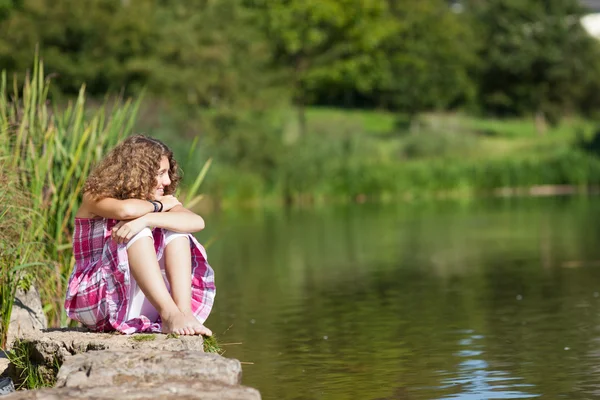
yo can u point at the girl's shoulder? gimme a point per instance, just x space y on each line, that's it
84 210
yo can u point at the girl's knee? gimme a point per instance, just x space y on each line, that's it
170 236
146 232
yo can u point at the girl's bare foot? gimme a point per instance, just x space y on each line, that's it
184 324
198 328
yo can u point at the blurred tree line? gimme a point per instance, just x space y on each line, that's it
506 57
224 67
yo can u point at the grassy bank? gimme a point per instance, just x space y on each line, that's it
352 154
452 154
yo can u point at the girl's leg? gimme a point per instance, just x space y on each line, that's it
178 267
146 271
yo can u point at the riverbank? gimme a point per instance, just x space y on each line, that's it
357 155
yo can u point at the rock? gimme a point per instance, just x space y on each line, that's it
6 386
27 314
3 364
127 367
62 343
110 368
174 389
48 349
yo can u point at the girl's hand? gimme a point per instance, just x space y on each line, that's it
168 201
125 230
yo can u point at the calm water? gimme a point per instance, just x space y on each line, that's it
499 299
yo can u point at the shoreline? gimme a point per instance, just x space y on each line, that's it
209 205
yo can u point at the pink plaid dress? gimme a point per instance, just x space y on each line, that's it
98 289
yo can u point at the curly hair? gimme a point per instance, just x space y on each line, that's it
129 170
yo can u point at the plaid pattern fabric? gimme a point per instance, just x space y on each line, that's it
98 289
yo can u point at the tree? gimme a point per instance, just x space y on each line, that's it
102 43
537 57
212 54
428 62
322 40
6 6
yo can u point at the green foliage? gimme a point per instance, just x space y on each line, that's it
54 151
505 57
6 6
211 345
402 55
427 63
18 252
211 54
356 155
430 144
104 44
32 373
538 58
326 41
114 45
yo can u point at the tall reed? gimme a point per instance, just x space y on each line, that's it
52 151
17 251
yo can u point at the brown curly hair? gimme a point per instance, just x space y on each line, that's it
129 170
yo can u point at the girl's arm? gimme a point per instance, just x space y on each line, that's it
178 219
124 209
117 209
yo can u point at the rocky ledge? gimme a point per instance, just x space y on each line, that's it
109 366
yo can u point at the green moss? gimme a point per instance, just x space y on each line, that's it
143 337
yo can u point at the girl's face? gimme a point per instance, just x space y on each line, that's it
162 177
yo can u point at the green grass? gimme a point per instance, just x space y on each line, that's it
31 374
18 253
385 122
211 345
53 150
516 128
375 122
486 137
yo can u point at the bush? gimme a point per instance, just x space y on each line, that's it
437 144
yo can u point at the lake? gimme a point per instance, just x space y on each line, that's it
488 299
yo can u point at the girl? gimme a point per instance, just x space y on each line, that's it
137 267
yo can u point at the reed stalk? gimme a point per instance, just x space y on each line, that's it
52 151
17 252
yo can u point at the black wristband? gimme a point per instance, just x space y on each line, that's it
155 205
161 206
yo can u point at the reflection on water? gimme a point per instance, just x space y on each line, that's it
473 378
496 299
